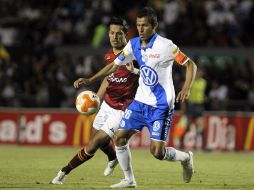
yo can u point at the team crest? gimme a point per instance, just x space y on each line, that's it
156 126
107 57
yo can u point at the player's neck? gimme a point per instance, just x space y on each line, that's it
118 50
145 42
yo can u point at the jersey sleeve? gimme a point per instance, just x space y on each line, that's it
126 56
178 55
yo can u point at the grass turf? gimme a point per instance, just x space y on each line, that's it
34 167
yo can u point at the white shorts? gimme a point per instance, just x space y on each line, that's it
108 119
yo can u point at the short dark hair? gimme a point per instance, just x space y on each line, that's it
119 21
149 13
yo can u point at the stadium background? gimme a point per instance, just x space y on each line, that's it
44 47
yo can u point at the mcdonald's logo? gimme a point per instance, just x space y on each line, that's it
83 123
250 135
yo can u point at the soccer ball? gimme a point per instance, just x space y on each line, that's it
87 102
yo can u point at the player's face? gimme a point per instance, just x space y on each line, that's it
145 29
117 36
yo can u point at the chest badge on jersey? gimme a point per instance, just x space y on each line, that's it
107 57
149 76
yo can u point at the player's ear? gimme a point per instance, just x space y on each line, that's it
155 25
125 33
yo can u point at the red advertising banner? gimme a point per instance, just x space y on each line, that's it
29 127
9 129
222 132
45 128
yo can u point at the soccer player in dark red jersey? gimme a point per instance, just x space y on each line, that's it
118 90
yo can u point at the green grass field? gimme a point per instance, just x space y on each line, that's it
33 168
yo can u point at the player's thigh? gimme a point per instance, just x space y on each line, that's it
94 131
110 120
101 116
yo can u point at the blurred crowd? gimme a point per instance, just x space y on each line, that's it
43 79
33 75
229 79
186 22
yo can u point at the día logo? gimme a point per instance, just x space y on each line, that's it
149 75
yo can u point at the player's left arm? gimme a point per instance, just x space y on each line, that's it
191 69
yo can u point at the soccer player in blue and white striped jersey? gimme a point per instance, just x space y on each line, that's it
153 106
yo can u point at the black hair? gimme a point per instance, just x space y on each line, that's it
150 14
119 21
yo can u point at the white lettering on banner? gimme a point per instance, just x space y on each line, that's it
34 129
8 131
220 135
141 139
190 137
231 137
193 139
57 132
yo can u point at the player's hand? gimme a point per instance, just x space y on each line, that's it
183 95
130 67
81 82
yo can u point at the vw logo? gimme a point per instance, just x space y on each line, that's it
150 77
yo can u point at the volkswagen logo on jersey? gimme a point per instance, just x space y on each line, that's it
150 77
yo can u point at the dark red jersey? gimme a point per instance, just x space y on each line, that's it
122 84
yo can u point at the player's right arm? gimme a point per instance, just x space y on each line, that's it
105 71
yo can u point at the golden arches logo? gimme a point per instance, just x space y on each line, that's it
84 122
250 135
